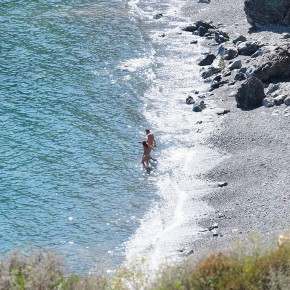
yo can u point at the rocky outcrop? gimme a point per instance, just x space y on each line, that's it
247 66
274 64
261 12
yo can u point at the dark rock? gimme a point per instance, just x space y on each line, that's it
193 42
217 82
215 233
158 16
207 25
243 69
239 38
287 101
201 31
221 36
208 60
210 71
240 77
189 100
222 183
279 100
248 47
275 64
198 106
256 54
189 28
237 64
250 94
261 51
261 12
218 78
214 226
221 113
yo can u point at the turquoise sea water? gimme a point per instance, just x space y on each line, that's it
70 121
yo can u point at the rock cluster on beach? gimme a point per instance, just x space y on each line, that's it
250 66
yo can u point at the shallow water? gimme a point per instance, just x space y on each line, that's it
70 121
81 80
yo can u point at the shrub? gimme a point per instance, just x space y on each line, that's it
269 270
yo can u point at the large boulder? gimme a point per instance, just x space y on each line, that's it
261 12
250 94
275 64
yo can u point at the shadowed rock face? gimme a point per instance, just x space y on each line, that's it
250 94
273 64
261 12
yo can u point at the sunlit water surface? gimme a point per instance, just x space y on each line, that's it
70 119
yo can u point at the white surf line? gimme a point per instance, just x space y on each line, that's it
184 161
156 259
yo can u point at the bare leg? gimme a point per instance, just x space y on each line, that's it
145 160
152 157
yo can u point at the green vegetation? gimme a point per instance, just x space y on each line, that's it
268 271
258 270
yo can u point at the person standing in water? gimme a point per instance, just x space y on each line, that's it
146 154
150 138
147 147
150 141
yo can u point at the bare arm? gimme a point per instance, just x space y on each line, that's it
147 144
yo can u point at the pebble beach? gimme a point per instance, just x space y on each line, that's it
235 172
255 144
